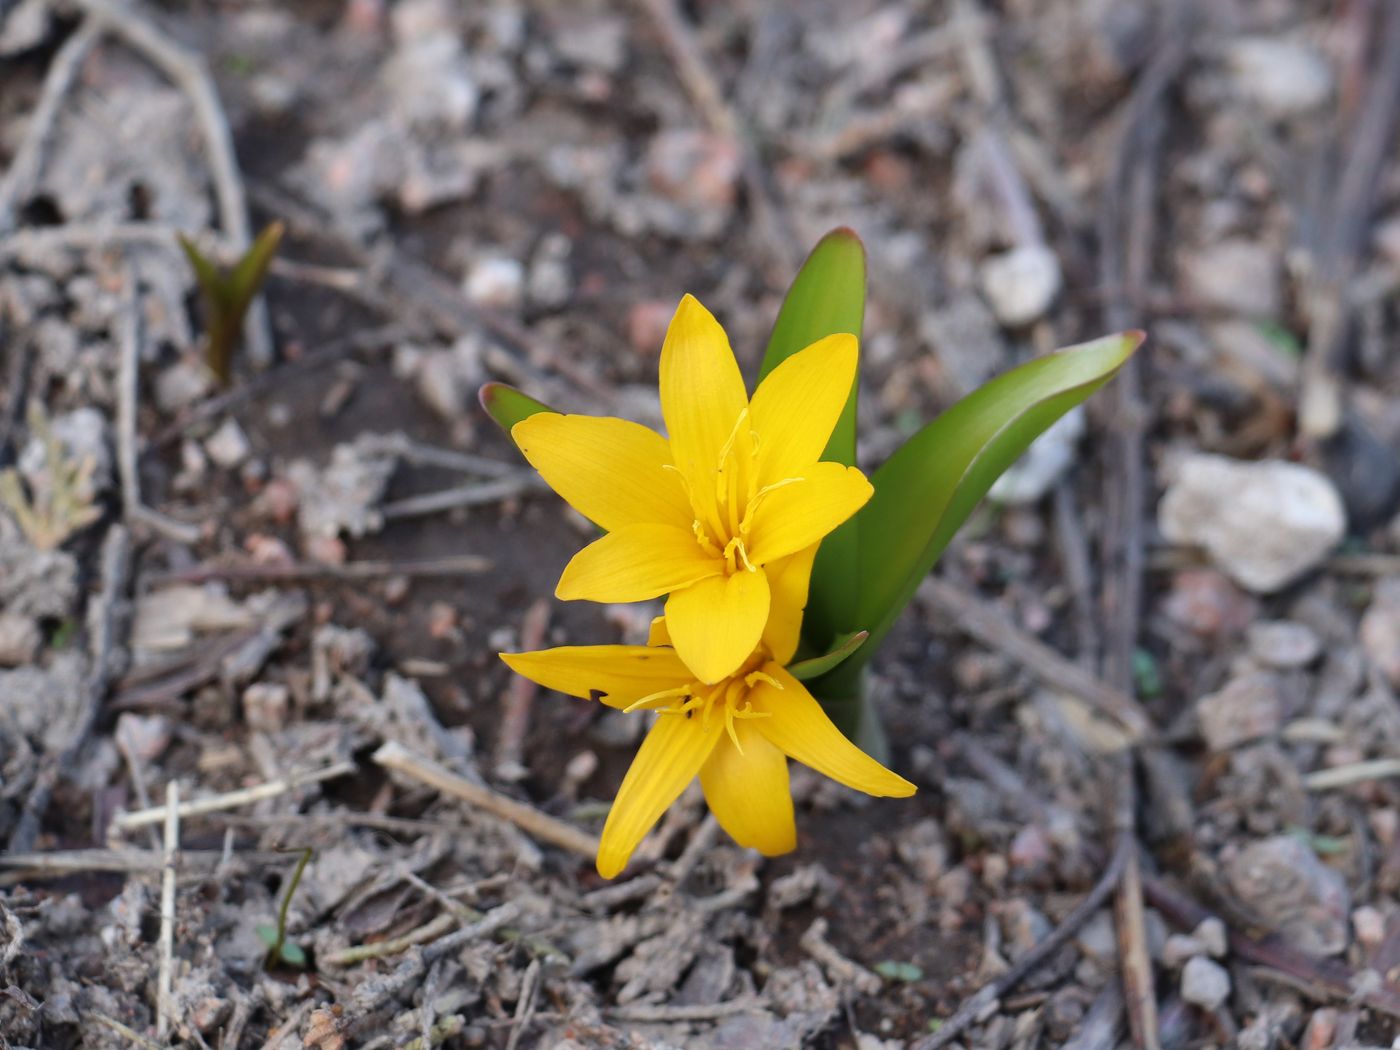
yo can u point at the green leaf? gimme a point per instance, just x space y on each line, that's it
508 406
248 273
293 955
930 485
826 297
894 970
820 665
267 933
227 296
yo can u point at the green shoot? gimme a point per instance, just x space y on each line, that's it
227 294
279 949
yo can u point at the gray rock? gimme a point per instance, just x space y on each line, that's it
1205 983
1246 709
182 384
1263 523
1237 276
1020 284
496 281
228 446
1282 882
1282 644
1282 77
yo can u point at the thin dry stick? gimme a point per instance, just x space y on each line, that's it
1130 200
700 1012
515 712
102 623
480 494
128 392
453 565
23 175
989 627
429 931
394 756
1023 967
57 864
234 799
164 976
188 72
1355 773
525 1005
841 969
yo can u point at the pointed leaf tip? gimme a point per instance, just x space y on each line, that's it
507 405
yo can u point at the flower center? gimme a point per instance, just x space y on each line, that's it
728 699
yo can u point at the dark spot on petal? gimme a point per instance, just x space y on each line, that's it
596 694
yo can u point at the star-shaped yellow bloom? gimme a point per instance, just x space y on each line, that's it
707 515
736 734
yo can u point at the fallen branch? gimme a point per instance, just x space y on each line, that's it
395 757
165 973
233 799
454 565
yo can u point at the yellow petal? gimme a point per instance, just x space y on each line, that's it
668 760
611 471
702 394
795 516
658 633
716 623
800 729
788 580
636 563
748 793
617 675
796 407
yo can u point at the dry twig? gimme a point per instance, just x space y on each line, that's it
515 712
394 756
233 799
452 565
165 974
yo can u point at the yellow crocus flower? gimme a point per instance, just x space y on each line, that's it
707 514
736 734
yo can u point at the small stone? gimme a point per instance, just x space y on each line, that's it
1282 644
497 281
647 322
1098 940
1263 523
144 737
1211 933
429 83
1246 709
1019 285
1205 983
1292 893
1369 925
1206 603
1380 630
182 384
20 639
696 169
551 282
1181 949
1236 276
228 446
265 706
1282 77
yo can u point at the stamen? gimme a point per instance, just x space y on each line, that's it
657 698
754 677
703 538
757 498
733 547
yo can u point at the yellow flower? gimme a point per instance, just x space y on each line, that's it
711 514
736 734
